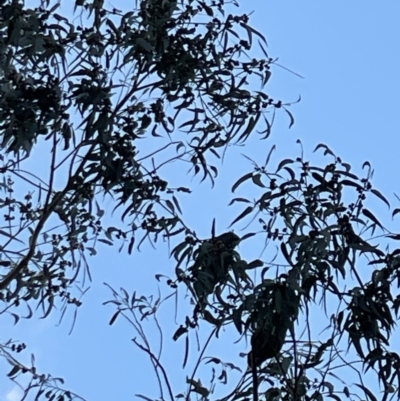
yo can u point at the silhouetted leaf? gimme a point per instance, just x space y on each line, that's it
380 196
237 319
283 163
238 200
251 30
290 116
241 181
247 211
254 264
267 76
352 184
170 205
130 246
250 127
369 214
13 371
366 164
246 236
185 358
285 253
114 317
269 155
16 318
323 146
144 397
257 180
367 392
105 241
178 249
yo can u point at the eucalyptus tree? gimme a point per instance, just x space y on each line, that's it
81 94
328 251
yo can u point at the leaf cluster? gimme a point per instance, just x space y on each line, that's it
171 58
174 73
322 241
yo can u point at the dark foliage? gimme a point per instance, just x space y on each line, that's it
182 73
176 57
319 247
175 73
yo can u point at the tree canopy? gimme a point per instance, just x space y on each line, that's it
179 76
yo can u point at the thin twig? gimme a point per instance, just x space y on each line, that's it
154 359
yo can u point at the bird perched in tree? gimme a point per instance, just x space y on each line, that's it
274 311
228 240
266 343
212 263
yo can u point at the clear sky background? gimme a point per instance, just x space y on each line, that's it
347 52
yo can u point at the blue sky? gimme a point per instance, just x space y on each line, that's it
347 53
